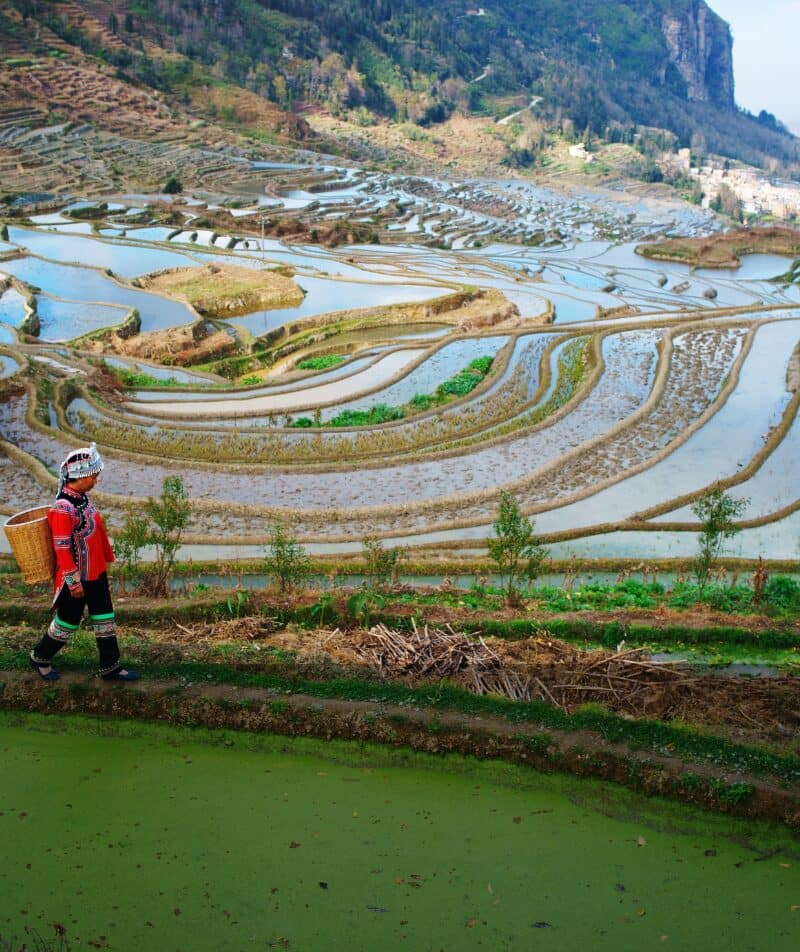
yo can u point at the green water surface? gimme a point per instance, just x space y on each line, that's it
135 837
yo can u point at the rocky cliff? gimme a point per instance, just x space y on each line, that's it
700 47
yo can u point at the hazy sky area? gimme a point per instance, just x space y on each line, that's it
766 55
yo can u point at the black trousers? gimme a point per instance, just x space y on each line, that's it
97 598
69 612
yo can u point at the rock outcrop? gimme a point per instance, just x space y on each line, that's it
700 47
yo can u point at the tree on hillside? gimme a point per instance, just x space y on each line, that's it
728 203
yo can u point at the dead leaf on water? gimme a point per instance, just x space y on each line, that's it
641 911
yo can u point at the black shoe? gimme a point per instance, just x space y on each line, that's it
52 674
121 676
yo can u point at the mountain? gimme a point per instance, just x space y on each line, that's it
606 66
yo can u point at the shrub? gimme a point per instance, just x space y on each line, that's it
169 516
783 593
716 511
726 598
128 544
381 563
173 186
285 558
515 551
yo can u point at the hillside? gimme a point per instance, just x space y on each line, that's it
160 69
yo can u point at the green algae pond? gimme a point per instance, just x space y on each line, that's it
129 836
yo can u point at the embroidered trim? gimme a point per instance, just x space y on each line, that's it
58 631
104 629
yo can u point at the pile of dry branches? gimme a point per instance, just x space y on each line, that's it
537 668
552 671
251 628
423 653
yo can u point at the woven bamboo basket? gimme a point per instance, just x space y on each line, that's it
31 542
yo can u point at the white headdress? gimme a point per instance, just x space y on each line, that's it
83 462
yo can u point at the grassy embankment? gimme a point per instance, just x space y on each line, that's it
225 290
726 249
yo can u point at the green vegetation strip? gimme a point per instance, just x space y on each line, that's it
656 736
321 363
573 363
141 379
459 385
593 631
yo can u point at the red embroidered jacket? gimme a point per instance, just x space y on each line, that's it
79 538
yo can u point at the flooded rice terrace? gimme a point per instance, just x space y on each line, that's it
492 335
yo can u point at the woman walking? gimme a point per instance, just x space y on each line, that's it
82 553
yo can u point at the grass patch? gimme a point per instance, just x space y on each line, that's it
321 363
137 378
